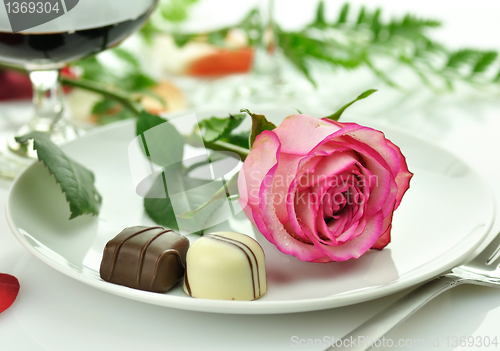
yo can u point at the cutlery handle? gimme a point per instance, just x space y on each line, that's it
363 337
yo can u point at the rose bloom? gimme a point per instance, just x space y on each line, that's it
323 190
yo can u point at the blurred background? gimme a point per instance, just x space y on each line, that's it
312 56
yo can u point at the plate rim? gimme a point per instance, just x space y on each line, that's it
261 306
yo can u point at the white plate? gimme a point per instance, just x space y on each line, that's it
443 218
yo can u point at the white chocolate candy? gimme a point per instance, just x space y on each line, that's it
225 266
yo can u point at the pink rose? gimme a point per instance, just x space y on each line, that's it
323 190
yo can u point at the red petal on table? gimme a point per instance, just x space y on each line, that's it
17 86
14 86
9 288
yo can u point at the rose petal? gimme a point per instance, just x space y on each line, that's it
376 140
389 151
294 128
323 171
385 238
9 288
284 240
404 175
357 246
332 167
285 175
306 166
262 158
381 181
385 192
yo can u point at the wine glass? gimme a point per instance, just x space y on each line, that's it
267 82
82 28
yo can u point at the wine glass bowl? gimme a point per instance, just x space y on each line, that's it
87 29
53 50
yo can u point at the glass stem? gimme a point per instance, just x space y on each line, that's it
266 83
48 100
49 115
265 57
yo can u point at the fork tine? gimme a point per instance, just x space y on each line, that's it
494 259
491 254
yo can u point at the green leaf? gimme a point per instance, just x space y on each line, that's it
161 212
103 106
320 22
128 57
76 181
162 142
461 57
299 48
181 39
214 156
164 145
497 78
380 73
147 121
136 81
241 139
172 181
343 13
160 209
215 128
376 26
224 192
259 124
336 115
485 61
149 32
94 70
218 38
176 10
361 16
114 116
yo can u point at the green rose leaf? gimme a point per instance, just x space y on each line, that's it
227 188
241 139
336 115
76 181
147 121
259 124
215 128
171 181
164 145
160 210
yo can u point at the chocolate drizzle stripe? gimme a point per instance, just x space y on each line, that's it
157 263
118 247
186 282
143 254
259 290
243 247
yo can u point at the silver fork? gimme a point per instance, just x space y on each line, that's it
482 270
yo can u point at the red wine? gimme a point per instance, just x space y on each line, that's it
47 48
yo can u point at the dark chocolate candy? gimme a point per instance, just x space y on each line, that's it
145 258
